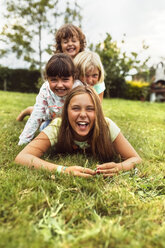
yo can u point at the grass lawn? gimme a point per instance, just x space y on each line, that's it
127 210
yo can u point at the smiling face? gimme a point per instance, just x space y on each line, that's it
71 46
81 116
60 85
91 76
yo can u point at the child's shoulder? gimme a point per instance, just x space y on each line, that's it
99 87
45 89
44 85
56 121
77 83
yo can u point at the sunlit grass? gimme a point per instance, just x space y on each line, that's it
125 211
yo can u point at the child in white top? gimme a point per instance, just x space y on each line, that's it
60 75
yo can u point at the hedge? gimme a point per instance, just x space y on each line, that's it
21 80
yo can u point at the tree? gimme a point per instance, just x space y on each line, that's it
30 24
117 65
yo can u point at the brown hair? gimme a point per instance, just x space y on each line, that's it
68 31
100 141
60 65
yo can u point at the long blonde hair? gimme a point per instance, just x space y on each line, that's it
100 141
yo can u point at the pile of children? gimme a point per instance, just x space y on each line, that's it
69 67
74 88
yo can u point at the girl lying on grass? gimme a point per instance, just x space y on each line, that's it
82 127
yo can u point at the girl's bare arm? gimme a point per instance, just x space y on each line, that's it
30 156
128 154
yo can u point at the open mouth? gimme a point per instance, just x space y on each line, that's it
70 50
82 125
91 84
60 91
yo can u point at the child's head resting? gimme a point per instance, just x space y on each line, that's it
70 37
89 68
60 73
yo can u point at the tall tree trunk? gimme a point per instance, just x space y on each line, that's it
5 85
40 51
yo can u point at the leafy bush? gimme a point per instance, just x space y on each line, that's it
117 66
21 80
136 90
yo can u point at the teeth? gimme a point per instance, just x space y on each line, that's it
82 123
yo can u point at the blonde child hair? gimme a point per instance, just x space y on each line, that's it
86 61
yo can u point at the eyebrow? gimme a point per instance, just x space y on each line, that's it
92 74
77 105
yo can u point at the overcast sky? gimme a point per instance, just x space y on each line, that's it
140 20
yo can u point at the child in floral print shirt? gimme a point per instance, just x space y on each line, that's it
60 75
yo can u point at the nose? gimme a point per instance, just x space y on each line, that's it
89 80
70 42
59 84
83 113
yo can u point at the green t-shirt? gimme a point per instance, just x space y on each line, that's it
99 87
52 131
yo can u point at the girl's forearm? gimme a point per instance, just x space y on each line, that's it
34 162
130 163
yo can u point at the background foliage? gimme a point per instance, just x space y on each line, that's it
117 65
31 21
30 27
21 80
137 90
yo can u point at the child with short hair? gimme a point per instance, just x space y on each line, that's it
70 40
90 70
60 76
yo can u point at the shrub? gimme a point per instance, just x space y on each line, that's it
137 90
21 80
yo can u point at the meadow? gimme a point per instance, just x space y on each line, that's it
127 210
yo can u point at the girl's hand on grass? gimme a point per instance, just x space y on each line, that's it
109 169
80 171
